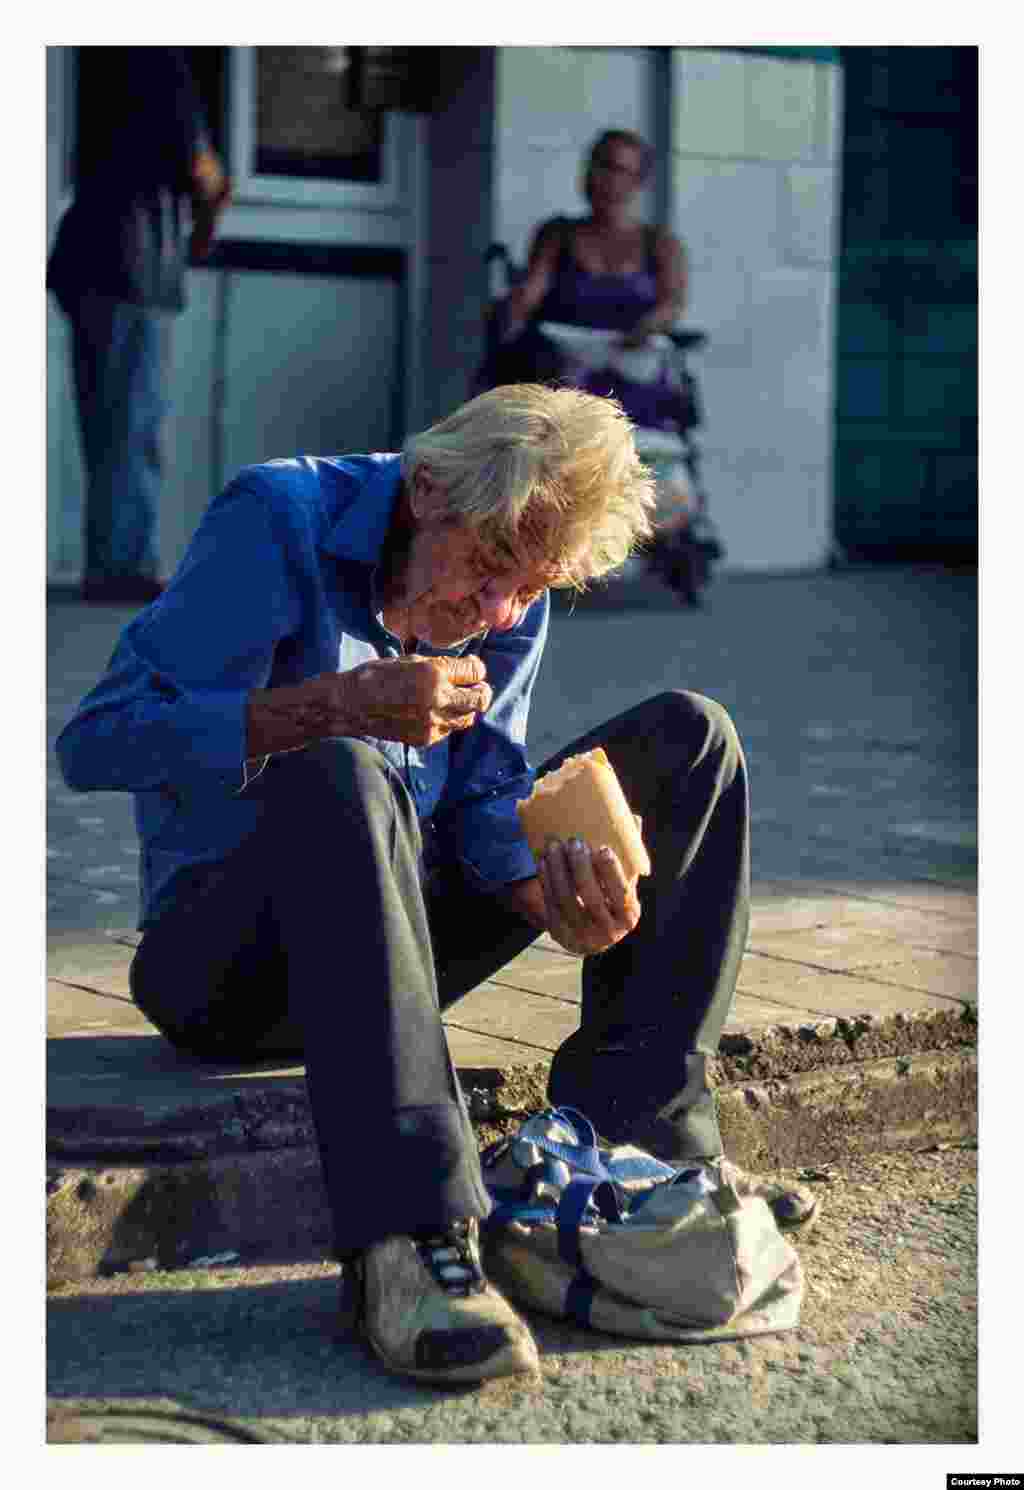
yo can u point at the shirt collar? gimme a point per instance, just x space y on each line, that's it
364 514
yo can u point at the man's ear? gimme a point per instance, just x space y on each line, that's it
427 500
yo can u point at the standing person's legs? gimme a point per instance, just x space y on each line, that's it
320 918
119 357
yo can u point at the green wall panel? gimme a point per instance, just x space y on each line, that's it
907 338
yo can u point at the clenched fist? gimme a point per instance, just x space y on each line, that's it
418 700
412 700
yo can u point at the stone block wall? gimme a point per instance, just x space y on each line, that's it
550 104
754 195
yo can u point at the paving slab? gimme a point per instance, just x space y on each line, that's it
875 956
74 1009
829 992
753 1011
511 1012
850 947
97 960
937 899
937 909
542 971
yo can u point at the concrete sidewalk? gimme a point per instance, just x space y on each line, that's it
855 1016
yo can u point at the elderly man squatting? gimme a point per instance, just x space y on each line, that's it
323 720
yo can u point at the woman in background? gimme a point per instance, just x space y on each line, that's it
610 272
607 271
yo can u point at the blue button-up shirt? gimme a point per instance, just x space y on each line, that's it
278 585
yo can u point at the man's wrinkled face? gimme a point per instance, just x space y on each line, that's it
460 582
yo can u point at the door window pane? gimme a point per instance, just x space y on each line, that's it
303 126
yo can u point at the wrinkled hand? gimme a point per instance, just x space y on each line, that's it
413 700
590 904
417 700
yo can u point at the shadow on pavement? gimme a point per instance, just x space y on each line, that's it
221 1347
151 1055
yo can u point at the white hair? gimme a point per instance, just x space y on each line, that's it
562 454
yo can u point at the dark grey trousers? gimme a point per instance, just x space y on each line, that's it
317 938
120 359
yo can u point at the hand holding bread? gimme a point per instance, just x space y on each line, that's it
589 853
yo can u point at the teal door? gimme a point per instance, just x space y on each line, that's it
907 383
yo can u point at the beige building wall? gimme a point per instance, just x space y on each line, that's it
754 195
550 104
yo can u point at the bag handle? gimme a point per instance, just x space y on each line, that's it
584 1129
509 1206
584 1156
573 1203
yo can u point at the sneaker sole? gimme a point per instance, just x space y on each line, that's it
504 1363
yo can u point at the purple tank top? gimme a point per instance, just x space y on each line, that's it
609 302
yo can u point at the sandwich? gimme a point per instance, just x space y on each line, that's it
583 799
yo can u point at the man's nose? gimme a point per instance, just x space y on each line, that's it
498 606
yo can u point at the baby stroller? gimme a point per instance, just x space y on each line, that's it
656 377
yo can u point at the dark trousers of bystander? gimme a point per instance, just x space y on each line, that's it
320 937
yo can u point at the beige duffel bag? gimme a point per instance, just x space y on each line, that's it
620 1242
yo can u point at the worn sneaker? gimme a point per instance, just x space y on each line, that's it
791 1205
429 1312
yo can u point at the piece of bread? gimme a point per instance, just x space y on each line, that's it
583 799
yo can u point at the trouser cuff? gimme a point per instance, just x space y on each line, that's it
639 1090
420 1168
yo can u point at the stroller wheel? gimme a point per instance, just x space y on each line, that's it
680 564
689 594
683 579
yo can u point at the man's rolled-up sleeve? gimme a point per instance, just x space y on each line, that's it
170 711
489 771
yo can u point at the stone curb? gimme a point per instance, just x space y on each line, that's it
245 1179
273 1118
825 1116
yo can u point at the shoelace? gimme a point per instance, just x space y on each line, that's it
450 1257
